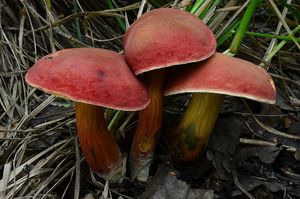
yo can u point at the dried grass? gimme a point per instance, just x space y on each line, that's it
38 146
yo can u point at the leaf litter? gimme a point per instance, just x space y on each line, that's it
254 150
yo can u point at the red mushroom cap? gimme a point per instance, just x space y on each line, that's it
165 37
89 75
223 75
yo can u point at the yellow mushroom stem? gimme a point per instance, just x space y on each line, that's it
190 138
99 148
148 127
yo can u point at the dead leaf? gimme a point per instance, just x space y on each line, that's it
166 185
267 154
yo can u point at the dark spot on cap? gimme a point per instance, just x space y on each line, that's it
101 75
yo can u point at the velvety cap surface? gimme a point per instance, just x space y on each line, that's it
89 75
224 75
165 37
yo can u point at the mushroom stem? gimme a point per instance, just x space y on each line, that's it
148 127
191 136
98 146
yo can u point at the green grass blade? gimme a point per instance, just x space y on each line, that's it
119 19
295 13
196 6
280 17
234 47
228 33
205 11
266 35
77 22
279 46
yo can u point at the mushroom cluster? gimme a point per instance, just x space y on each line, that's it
95 78
168 37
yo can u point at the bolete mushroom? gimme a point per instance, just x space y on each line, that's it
158 39
93 78
209 81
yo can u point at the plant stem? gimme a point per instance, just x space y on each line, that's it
119 19
148 127
228 34
196 6
234 47
279 46
98 146
191 136
266 35
77 22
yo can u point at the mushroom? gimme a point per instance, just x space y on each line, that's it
158 39
209 81
93 78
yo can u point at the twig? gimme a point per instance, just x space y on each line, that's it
100 185
108 12
265 143
270 129
77 170
37 110
280 17
238 184
277 31
140 12
220 32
